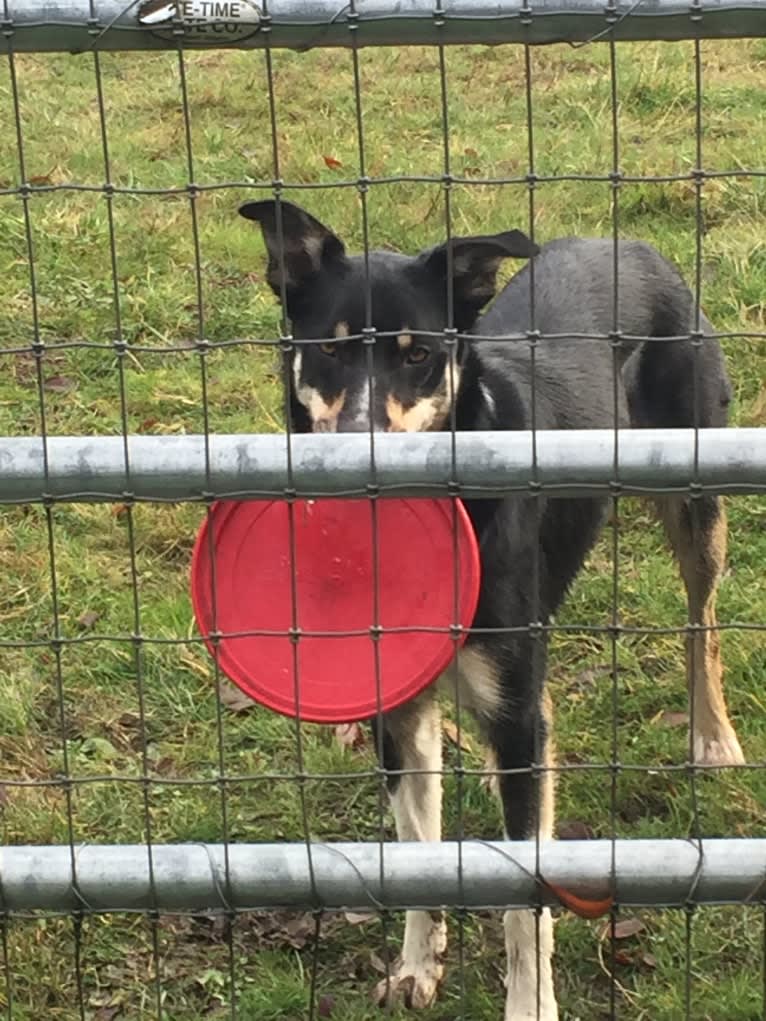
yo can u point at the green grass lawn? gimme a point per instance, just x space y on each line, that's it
158 709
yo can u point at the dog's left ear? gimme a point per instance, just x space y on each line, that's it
475 262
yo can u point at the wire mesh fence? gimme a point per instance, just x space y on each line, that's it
148 373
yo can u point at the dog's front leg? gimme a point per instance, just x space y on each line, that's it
412 752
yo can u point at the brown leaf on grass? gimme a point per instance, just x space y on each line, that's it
350 735
234 699
471 152
106 1013
627 927
460 740
622 957
88 618
147 424
671 719
41 179
120 510
574 829
648 960
59 384
358 917
281 928
579 905
331 162
325 1005
300 931
378 963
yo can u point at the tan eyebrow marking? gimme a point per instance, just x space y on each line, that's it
341 329
404 340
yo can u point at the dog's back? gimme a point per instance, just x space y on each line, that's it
574 376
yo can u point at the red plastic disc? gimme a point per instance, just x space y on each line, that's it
334 677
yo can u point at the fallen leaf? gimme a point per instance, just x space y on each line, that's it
325 1006
119 509
107 1013
165 766
649 960
377 963
234 699
622 957
579 905
574 829
627 927
59 383
147 424
41 179
358 917
459 739
350 735
471 152
299 931
671 719
88 619
331 162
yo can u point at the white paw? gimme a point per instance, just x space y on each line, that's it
525 1002
721 748
415 978
529 981
411 986
545 1013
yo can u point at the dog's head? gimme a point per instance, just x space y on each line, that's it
407 379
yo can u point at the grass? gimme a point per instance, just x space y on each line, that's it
103 734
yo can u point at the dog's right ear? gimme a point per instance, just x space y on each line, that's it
475 262
299 250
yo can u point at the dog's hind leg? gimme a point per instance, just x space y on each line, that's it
518 731
696 529
412 751
528 801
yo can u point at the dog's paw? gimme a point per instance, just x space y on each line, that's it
414 987
545 1013
720 748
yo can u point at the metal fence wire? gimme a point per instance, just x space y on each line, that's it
169 849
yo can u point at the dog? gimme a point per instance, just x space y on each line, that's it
416 377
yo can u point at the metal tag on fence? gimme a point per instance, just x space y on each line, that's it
201 22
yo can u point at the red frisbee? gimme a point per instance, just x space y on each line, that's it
327 675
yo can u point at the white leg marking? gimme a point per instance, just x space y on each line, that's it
529 981
416 803
530 994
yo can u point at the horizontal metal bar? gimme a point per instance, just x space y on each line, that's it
194 876
75 26
485 464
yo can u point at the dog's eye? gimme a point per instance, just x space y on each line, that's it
329 349
418 355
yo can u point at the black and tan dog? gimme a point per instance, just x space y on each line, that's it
416 384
